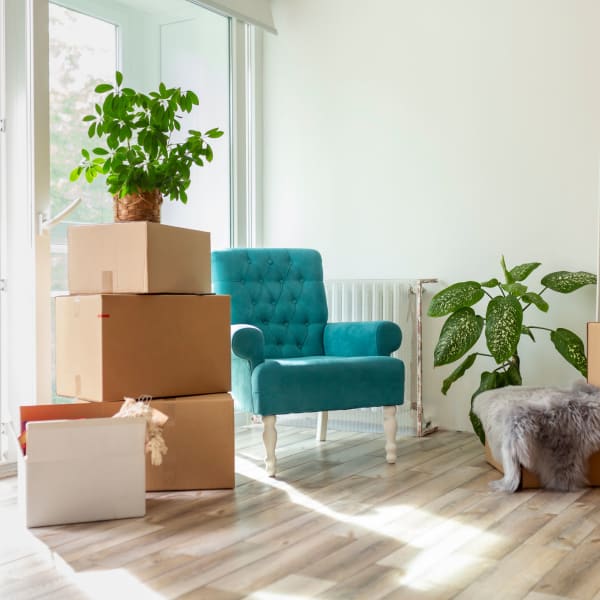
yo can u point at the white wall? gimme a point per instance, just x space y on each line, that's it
425 139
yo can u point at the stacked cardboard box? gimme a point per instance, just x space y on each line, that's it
141 320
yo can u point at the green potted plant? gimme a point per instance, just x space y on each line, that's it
503 324
137 153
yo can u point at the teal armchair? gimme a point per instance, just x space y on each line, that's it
286 357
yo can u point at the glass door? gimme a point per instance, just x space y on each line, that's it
183 46
82 54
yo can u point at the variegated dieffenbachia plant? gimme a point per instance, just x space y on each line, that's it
503 325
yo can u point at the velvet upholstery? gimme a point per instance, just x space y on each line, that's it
286 358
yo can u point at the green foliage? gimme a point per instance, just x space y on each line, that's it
503 326
503 321
454 297
137 152
459 333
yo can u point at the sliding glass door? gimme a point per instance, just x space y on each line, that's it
185 46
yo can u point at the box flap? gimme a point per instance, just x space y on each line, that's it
84 440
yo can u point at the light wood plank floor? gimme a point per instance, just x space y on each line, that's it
337 523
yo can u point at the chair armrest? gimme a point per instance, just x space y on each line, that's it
363 338
248 342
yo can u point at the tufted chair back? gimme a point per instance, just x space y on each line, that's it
278 290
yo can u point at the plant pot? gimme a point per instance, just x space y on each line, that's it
143 206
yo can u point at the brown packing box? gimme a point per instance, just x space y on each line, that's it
138 258
200 439
115 345
593 353
199 436
530 480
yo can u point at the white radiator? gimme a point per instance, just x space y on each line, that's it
397 300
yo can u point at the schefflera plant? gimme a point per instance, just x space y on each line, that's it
503 326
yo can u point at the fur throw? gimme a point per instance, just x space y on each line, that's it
551 432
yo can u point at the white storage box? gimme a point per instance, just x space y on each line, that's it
82 470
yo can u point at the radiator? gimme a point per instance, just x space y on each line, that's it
397 300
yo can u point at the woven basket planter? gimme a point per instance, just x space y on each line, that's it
143 206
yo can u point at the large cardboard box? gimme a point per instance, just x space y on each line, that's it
138 257
593 353
199 436
530 480
200 439
72 471
109 346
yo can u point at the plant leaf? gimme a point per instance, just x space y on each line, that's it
570 347
515 289
513 376
490 283
459 333
537 300
488 381
568 281
103 87
504 319
523 271
477 426
454 297
214 133
119 78
508 277
75 173
458 372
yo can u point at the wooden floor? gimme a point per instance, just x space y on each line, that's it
336 523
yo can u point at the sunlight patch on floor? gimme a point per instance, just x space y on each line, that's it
267 595
106 583
431 555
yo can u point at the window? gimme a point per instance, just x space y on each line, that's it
82 53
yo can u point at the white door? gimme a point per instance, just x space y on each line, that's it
25 261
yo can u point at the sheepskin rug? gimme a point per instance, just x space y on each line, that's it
550 431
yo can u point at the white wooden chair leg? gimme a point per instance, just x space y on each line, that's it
322 425
390 427
269 440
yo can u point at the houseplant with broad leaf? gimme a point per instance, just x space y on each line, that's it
503 324
137 150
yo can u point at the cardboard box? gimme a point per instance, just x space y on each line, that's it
593 353
530 480
116 345
201 445
199 436
138 258
81 470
